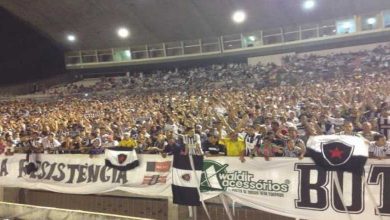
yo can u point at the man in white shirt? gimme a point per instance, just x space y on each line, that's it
50 144
108 141
367 132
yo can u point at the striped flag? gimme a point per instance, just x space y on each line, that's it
185 181
338 152
154 179
121 158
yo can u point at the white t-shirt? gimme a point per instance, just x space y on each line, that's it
50 144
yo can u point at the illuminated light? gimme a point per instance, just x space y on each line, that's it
308 4
127 53
347 25
252 38
123 32
371 21
71 38
239 16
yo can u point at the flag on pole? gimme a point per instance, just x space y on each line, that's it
338 152
184 182
121 158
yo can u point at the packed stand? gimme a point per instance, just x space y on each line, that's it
262 110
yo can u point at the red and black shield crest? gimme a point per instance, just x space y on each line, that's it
337 153
186 177
122 158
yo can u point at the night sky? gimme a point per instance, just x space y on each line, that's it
26 54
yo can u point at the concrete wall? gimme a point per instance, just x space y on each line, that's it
128 205
277 58
345 49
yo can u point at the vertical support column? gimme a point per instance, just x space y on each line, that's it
201 46
282 35
182 47
165 50
96 56
1 194
242 41
380 24
358 23
318 30
81 56
112 54
173 210
147 51
261 37
221 47
300 32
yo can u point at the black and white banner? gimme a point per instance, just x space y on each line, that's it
121 158
338 152
185 180
80 174
284 186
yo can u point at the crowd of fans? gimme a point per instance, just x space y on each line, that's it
234 109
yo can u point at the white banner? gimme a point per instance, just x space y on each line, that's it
283 186
298 188
80 174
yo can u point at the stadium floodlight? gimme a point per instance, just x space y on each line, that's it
308 4
371 21
123 32
239 16
71 37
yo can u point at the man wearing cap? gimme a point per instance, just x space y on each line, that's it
211 147
199 131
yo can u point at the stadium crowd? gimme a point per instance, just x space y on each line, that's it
234 109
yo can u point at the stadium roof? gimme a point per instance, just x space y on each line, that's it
95 22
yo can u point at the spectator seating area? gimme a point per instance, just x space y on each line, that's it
264 106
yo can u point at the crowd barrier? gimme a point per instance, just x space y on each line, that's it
282 186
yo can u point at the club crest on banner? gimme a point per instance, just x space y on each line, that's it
186 177
337 153
122 158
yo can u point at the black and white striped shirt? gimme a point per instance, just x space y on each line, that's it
379 151
251 141
193 143
384 126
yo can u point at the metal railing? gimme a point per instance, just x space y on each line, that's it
254 39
